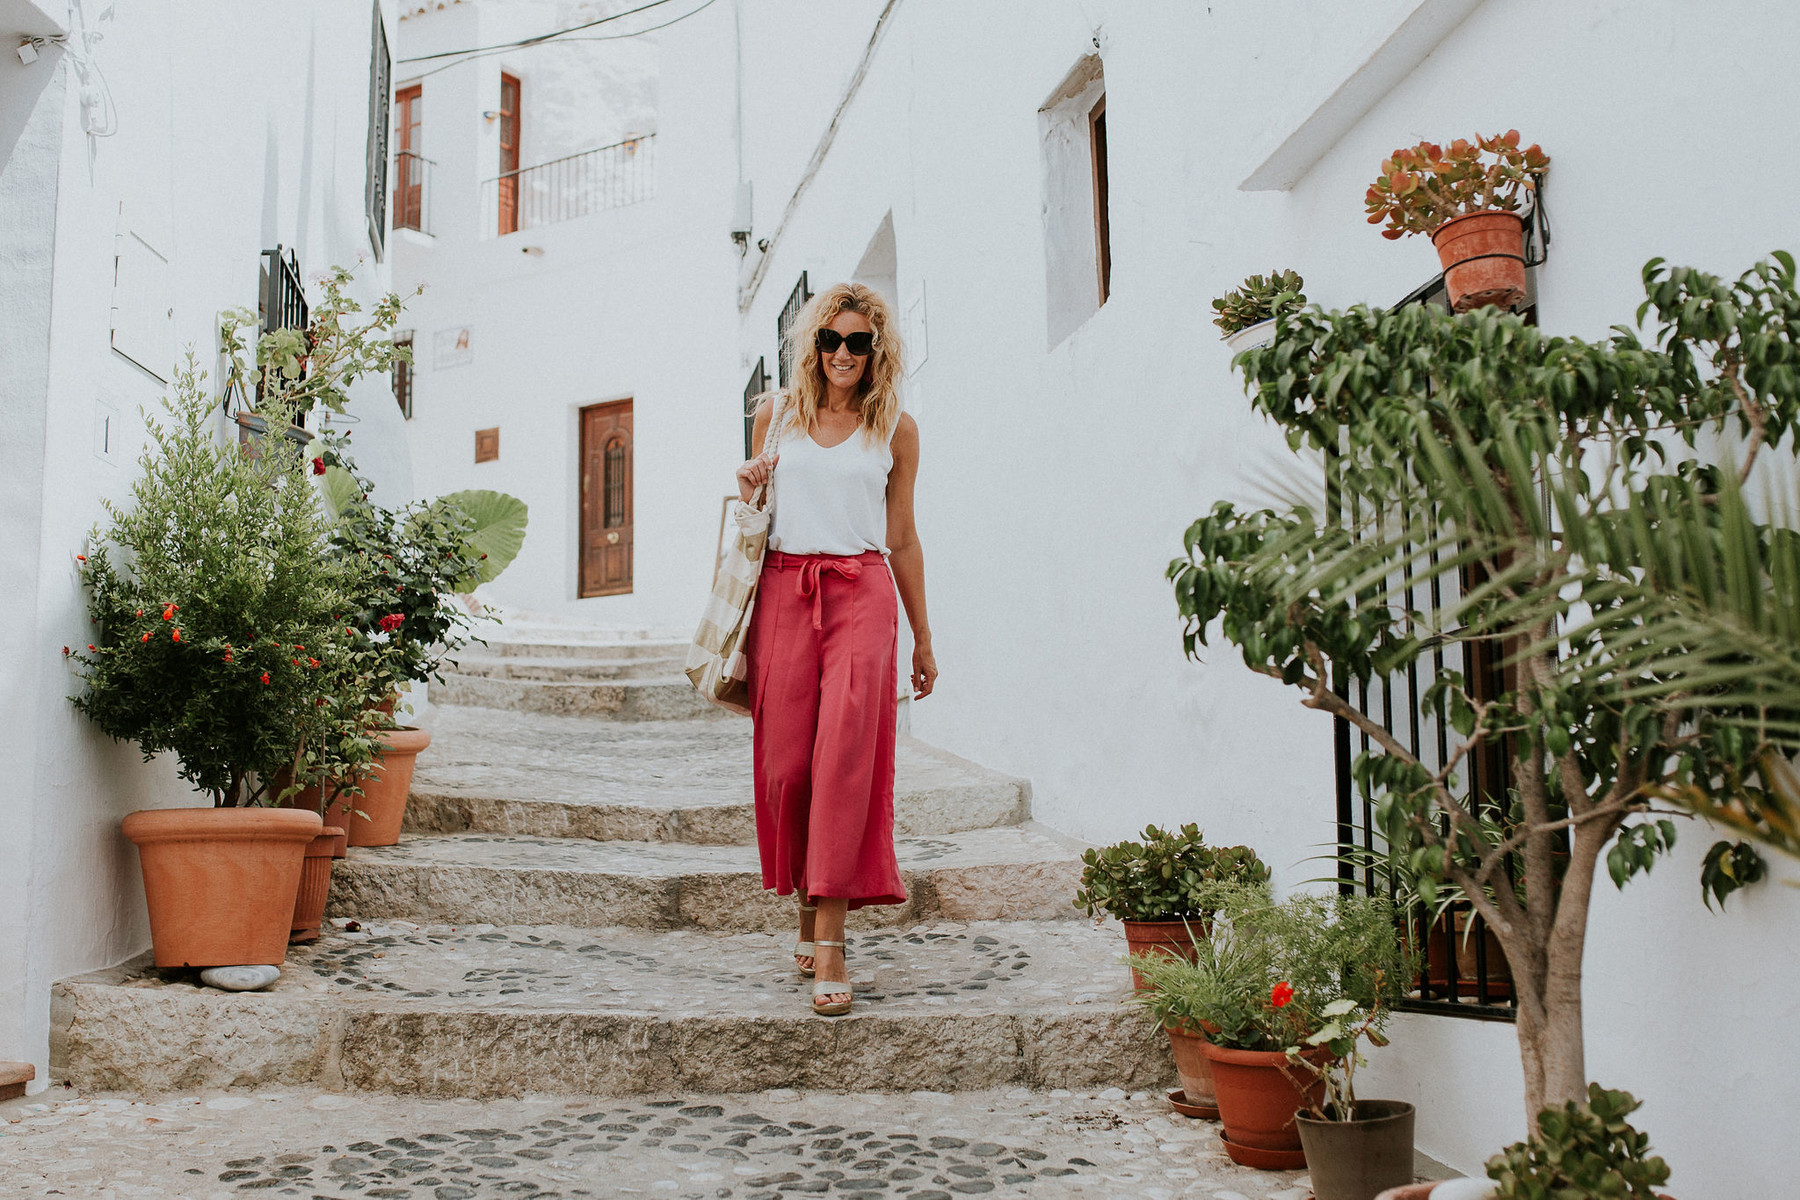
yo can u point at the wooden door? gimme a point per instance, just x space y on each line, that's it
509 154
606 500
409 198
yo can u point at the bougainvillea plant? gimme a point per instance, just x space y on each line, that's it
1421 187
218 612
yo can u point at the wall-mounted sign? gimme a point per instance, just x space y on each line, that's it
453 347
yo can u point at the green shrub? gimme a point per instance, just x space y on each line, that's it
1258 299
1268 972
217 611
1585 1151
1166 877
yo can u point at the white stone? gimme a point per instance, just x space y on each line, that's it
240 979
1112 1094
228 1103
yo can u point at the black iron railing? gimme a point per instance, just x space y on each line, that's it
577 185
412 191
759 383
282 304
784 325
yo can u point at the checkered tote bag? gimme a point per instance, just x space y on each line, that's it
716 662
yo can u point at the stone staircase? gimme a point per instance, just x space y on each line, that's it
577 906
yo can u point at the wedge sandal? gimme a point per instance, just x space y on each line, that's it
831 987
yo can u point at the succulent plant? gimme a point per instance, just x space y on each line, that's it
1258 299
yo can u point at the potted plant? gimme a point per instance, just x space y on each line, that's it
409 565
217 640
1644 613
1247 313
1578 1148
1467 198
1354 1148
1262 982
1159 888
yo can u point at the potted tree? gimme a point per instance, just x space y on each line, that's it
1647 612
217 641
1158 888
1247 312
1467 198
1265 981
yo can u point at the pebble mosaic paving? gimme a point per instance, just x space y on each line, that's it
764 1146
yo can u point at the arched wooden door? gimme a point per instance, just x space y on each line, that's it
606 499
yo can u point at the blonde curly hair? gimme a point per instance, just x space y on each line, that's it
878 392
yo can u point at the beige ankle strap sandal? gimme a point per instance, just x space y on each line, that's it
831 987
804 949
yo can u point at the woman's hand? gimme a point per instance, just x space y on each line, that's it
754 474
924 670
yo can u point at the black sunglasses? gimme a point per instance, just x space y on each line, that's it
859 344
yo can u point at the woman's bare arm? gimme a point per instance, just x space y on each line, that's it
905 556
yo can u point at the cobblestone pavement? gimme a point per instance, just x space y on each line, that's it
763 1146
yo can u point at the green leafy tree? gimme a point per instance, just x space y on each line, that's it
1646 621
218 611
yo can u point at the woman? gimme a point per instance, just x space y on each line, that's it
843 458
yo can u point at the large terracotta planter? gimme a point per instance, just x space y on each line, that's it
1360 1158
1193 1067
383 802
1483 256
339 812
221 882
1259 1093
1175 938
315 884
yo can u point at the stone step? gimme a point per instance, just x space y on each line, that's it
483 1011
567 669
650 699
1012 873
496 771
594 650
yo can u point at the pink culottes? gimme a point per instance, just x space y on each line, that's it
822 697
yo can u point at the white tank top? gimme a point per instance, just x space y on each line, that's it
830 500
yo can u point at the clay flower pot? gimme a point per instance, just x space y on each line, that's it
383 802
221 882
1259 1093
339 812
1174 938
1194 1069
1362 1157
1483 256
315 883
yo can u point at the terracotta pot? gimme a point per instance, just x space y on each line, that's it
1443 930
1174 938
1483 256
339 812
315 884
1193 1067
221 882
1359 1158
1259 1093
383 802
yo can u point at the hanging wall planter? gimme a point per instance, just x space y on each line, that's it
1247 312
1471 198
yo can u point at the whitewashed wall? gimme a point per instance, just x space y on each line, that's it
630 302
1055 484
237 127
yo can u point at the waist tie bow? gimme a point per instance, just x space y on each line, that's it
808 584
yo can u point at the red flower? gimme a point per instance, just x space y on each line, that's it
228 656
319 703
65 652
81 558
298 647
169 611
140 612
295 661
176 636
1284 992
349 632
391 622
90 645
312 662
265 677
145 638
318 466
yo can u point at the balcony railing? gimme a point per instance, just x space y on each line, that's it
412 191
562 189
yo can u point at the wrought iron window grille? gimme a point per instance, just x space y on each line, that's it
403 375
380 98
784 326
759 383
576 185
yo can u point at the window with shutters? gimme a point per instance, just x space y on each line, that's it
375 184
509 154
403 373
409 158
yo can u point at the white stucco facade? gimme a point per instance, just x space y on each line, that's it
218 131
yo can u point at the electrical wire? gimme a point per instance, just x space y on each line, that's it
472 55
542 37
